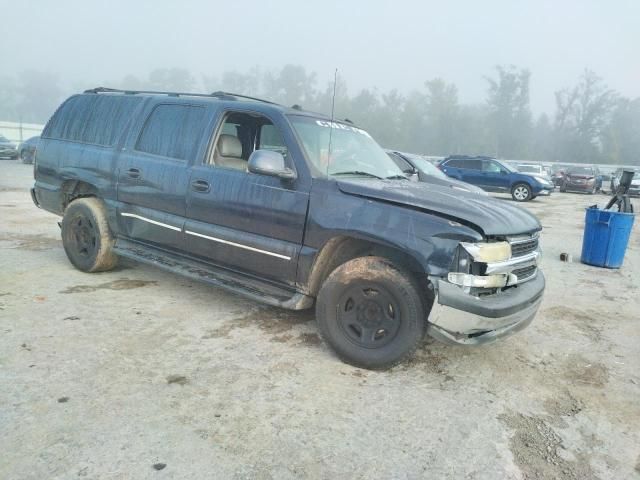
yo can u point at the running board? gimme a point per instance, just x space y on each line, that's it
249 287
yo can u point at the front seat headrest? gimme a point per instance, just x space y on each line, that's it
229 146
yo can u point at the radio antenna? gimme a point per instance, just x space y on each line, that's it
333 105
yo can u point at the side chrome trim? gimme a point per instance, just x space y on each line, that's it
148 220
239 245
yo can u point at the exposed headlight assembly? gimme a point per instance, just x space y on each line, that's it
488 252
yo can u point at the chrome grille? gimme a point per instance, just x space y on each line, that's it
525 273
521 246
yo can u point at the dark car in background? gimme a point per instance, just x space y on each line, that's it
421 169
27 149
495 176
7 148
557 174
634 188
583 179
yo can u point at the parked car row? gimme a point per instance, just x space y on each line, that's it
25 151
493 175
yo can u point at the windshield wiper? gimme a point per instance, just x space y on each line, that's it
358 172
396 177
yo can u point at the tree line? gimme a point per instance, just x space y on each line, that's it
591 122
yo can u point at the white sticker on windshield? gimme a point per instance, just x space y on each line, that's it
341 126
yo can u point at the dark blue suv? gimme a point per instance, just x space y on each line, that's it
494 176
289 208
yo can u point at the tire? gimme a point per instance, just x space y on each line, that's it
371 313
86 237
521 192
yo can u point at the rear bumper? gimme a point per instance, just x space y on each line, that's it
462 319
34 197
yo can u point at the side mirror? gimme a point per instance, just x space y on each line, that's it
503 172
268 162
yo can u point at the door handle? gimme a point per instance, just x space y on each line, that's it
200 186
133 173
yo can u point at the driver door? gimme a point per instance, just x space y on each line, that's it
243 221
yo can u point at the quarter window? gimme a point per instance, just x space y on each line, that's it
173 131
94 119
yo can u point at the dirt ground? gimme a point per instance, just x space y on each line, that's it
138 373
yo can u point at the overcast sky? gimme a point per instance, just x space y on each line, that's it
383 44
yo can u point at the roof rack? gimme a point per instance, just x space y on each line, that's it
220 95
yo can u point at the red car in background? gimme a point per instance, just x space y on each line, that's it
585 179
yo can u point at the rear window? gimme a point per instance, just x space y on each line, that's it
94 119
173 131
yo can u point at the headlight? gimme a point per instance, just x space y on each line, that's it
541 180
488 252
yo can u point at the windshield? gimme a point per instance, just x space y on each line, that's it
425 165
581 170
353 151
529 169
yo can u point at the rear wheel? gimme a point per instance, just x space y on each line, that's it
521 192
371 313
86 238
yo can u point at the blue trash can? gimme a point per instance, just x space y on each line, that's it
606 235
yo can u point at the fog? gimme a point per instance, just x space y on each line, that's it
373 43
380 46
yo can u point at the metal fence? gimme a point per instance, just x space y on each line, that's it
17 132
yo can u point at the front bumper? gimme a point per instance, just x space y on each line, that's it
579 187
459 318
546 191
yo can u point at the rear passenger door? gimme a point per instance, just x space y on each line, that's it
243 221
153 172
471 172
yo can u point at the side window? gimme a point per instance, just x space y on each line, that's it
491 167
473 164
94 119
173 131
242 133
454 164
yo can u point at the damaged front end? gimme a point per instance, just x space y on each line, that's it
494 289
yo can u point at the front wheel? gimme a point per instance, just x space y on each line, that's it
521 192
86 237
371 313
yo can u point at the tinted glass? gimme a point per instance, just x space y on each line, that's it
472 164
96 119
173 131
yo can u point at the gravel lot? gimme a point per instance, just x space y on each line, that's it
138 373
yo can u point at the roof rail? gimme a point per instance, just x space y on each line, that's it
220 95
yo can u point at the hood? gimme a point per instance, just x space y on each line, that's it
452 183
489 215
